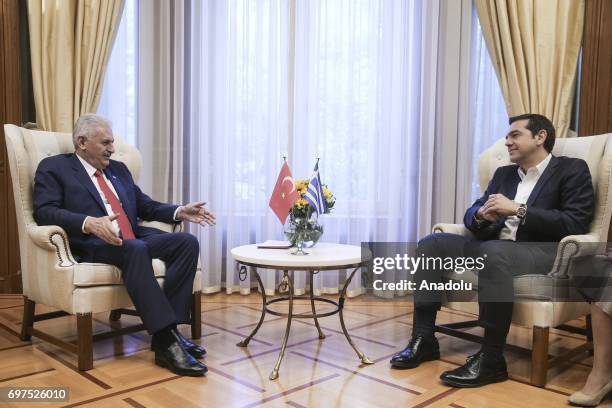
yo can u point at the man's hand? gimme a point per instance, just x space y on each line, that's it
196 213
103 228
500 205
490 216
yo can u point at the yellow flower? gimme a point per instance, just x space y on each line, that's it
301 207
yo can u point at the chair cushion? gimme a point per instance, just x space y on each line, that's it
96 274
529 313
535 287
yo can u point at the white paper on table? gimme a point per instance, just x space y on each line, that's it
274 244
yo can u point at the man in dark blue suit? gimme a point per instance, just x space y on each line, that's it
97 202
527 209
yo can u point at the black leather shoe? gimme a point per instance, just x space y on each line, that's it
194 349
480 369
419 349
176 359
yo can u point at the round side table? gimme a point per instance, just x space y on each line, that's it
322 257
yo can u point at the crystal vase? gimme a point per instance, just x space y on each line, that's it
303 232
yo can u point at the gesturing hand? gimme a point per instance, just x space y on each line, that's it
196 213
103 228
501 205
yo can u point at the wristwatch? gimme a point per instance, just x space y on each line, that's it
521 212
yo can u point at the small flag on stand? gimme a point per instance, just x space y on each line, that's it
284 194
314 193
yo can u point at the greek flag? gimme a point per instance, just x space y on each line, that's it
314 193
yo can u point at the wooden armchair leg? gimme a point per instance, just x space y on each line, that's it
84 341
539 356
196 316
28 318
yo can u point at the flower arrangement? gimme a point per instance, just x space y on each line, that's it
301 208
304 230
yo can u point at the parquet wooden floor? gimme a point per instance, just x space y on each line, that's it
314 373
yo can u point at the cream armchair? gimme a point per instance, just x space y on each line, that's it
535 304
50 274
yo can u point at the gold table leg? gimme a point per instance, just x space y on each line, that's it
312 304
364 359
274 373
246 341
288 278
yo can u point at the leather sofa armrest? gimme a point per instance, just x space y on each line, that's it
53 238
458 229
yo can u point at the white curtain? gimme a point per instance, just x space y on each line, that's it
163 90
350 82
118 101
361 99
238 128
488 120
357 83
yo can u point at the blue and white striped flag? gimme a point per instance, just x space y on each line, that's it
314 193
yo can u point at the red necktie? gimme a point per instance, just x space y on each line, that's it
124 222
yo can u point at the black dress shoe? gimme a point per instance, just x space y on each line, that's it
420 349
194 349
176 359
480 369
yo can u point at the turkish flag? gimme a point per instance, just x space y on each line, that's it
284 194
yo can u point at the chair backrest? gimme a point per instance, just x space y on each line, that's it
595 150
26 148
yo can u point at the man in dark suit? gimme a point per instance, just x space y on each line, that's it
527 208
97 202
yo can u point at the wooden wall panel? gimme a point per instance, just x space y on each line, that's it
595 113
10 112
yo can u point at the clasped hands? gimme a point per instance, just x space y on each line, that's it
496 207
103 227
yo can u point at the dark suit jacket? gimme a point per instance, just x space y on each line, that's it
64 195
561 203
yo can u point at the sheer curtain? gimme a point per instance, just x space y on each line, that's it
118 100
359 107
350 83
488 120
238 128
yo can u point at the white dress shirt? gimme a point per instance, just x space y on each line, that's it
523 191
91 171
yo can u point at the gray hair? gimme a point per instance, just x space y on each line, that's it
88 125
